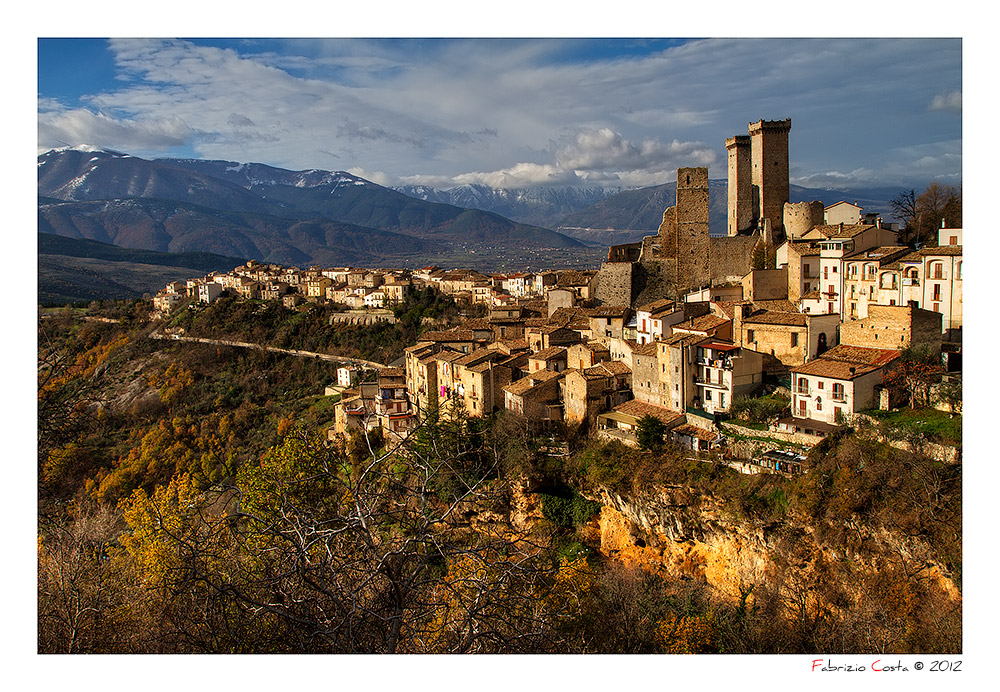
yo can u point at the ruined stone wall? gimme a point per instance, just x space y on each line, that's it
729 257
893 326
766 284
800 217
614 283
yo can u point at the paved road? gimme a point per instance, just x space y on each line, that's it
273 349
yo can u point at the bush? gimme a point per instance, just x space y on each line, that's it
568 508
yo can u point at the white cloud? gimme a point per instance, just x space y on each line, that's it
952 101
520 110
80 126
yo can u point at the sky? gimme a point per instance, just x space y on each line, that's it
514 112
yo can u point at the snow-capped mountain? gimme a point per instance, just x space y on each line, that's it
539 205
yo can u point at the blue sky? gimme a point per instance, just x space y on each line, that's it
512 112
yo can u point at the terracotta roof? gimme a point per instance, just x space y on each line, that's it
843 230
838 362
797 319
574 278
702 323
647 349
613 367
946 250
531 381
607 311
549 353
662 305
878 253
639 409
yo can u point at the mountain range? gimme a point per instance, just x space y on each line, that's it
333 218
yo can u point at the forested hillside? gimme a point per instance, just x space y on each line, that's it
189 501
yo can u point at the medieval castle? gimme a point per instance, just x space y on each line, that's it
682 257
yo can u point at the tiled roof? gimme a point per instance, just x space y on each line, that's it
639 409
796 319
607 311
702 323
531 381
662 305
843 230
838 362
549 353
946 250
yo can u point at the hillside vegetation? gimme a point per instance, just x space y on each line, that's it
189 502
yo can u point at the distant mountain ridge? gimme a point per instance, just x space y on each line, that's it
259 211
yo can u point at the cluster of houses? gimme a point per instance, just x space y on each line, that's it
827 325
370 289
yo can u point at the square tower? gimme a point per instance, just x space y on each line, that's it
740 189
769 168
692 228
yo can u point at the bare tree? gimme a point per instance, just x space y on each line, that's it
407 550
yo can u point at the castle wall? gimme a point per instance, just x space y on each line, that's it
729 257
800 217
614 285
766 284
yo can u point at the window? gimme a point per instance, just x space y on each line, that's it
819 385
838 391
708 395
959 272
937 292
750 336
953 240
826 272
937 270
803 386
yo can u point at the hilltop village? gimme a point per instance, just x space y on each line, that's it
815 304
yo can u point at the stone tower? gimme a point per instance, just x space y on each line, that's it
741 201
769 169
684 231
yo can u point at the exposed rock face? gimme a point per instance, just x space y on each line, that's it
687 535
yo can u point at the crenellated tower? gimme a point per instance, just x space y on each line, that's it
769 169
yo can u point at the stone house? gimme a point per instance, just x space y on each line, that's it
723 372
676 357
784 338
587 354
553 359
536 396
840 382
548 335
209 292
481 378
587 392
645 374
842 212
607 321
